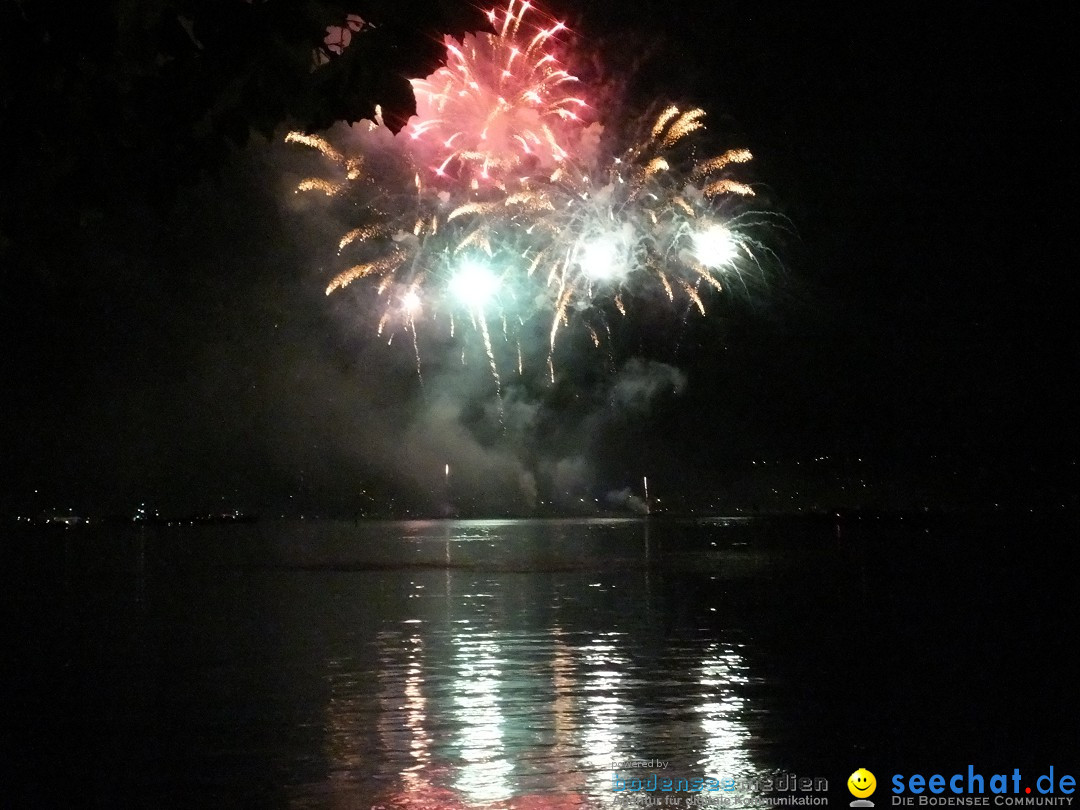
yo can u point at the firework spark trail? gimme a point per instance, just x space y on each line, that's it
502 199
500 101
608 232
490 354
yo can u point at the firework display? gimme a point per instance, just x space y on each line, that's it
504 204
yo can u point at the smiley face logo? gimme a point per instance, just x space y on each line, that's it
861 783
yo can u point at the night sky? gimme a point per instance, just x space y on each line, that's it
923 320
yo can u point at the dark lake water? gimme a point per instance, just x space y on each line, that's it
514 664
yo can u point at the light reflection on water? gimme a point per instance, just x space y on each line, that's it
436 665
721 673
515 678
485 773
